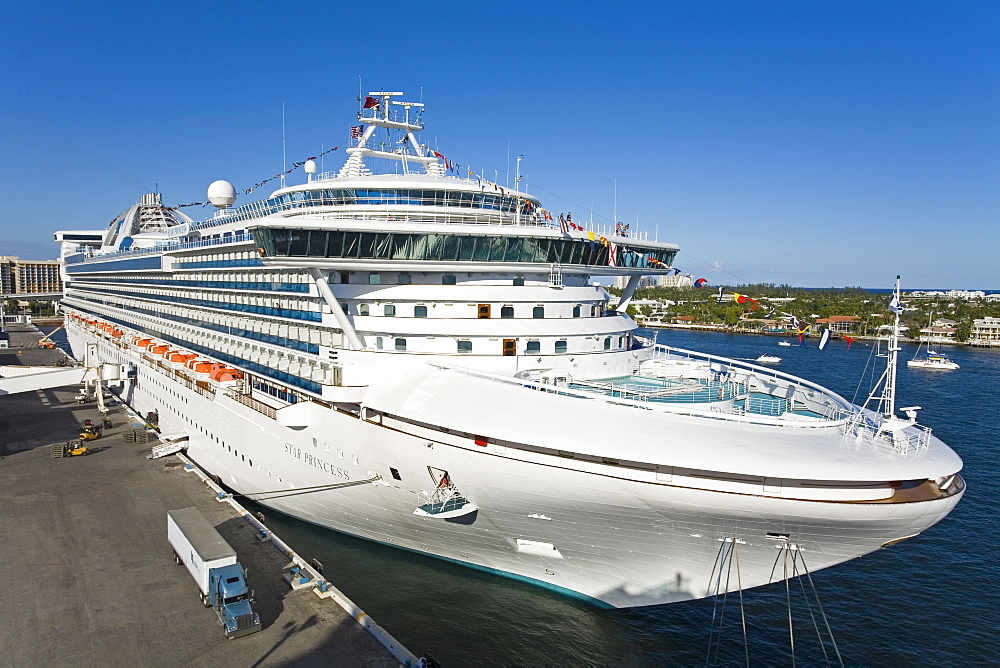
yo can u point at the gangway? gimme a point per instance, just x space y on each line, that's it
168 446
17 379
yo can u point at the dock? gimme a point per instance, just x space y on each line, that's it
90 577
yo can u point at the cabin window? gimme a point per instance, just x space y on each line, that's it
593 311
404 279
420 311
506 311
519 280
401 345
607 343
345 277
374 279
378 342
621 341
533 347
561 346
576 311
389 310
448 279
538 312
363 309
465 346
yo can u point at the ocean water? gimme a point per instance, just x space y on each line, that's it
928 600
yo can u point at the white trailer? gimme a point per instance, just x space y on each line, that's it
197 545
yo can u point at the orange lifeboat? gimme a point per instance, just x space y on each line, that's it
179 357
142 343
225 374
168 352
117 333
158 350
206 367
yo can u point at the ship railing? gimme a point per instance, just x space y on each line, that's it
259 406
161 248
722 367
868 426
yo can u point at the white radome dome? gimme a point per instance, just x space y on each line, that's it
222 194
310 167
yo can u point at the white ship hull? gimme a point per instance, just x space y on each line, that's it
613 540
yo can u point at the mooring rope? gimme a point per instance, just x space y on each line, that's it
819 604
280 493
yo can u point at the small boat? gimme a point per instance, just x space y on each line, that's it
768 359
784 343
934 360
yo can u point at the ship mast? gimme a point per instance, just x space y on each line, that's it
379 111
887 400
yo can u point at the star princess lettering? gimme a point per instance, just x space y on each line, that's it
310 460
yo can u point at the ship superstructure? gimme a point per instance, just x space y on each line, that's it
442 342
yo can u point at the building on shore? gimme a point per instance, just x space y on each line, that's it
841 323
19 276
985 332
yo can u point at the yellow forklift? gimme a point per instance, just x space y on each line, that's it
90 431
70 449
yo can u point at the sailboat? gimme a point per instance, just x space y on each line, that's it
932 359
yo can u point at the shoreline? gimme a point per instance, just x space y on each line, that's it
793 335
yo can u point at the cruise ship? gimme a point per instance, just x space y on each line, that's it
429 361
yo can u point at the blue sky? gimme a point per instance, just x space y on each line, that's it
810 143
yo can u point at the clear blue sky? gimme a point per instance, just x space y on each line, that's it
810 143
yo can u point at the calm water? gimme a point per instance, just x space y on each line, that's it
928 600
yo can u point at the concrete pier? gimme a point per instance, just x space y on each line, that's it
90 579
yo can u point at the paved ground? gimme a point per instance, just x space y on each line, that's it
90 579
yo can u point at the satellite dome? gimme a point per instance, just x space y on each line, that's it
310 167
221 194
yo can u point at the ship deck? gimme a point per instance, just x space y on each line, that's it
694 391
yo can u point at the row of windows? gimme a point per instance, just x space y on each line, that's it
531 347
266 286
507 311
116 265
400 196
450 247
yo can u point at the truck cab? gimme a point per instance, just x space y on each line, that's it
229 595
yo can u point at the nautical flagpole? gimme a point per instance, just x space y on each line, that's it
890 381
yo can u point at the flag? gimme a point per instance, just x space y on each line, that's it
562 224
849 340
356 131
824 338
700 283
895 306
676 271
612 252
370 103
